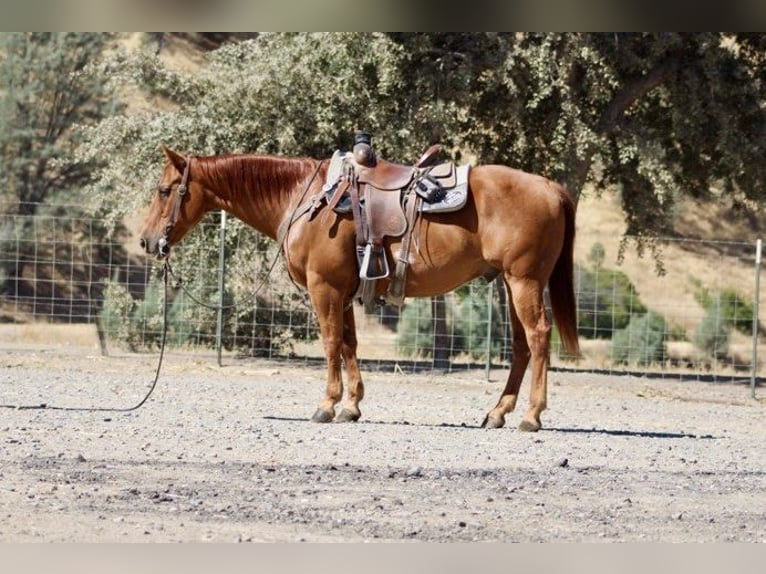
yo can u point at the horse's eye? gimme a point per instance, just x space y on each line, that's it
165 190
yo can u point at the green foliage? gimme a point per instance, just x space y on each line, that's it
44 92
292 94
713 333
725 309
733 309
472 318
642 342
606 302
597 255
116 312
256 322
135 323
415 335
467 316
663 114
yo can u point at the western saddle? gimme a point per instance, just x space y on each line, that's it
385 200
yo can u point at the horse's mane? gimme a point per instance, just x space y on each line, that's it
238 173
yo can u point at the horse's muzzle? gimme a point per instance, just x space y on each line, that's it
161 249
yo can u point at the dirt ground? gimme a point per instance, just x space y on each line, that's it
228 454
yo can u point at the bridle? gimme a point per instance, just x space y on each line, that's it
163 247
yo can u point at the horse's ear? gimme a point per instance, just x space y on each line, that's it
175 158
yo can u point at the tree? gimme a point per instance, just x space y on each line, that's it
656 115
45 91
292 94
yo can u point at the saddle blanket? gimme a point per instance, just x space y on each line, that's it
453 199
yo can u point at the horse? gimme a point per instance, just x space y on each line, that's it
514 223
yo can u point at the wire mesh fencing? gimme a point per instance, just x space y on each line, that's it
698 318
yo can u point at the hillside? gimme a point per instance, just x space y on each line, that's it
714 249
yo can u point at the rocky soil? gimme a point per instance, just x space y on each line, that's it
228 454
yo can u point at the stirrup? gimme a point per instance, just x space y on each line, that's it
364 268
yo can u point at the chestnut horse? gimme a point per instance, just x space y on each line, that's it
515 223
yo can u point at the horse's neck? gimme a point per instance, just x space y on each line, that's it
260 190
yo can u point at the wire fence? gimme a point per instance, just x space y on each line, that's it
59 268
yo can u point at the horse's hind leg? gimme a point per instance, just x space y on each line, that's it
355 388
507 402
527 296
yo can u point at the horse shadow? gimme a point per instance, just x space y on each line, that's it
563 430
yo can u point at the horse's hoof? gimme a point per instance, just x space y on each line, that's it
322 417
347 416
527 426
493 422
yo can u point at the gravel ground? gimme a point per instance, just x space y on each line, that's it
228 454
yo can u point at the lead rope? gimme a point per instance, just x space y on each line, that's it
166 271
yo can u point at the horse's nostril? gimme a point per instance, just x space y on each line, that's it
142 243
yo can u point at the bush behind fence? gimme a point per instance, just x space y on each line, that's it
60 268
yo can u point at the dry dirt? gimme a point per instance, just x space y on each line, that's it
227 454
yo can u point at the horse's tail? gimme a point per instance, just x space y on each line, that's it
561 282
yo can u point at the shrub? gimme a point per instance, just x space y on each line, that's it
416 334
732 308
642 341
713 333
471 322
606 301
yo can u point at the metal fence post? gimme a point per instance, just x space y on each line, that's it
756 314
221 273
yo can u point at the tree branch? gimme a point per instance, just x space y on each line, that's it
637 89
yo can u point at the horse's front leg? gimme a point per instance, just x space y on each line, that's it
328 305
355 391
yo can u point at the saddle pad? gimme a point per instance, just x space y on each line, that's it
445 174
455 198
334 170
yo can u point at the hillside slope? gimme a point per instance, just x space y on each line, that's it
714 249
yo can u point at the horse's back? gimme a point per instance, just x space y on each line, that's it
514 198
500 185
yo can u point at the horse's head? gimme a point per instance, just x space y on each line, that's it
177 206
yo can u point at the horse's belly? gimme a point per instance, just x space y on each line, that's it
441 274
